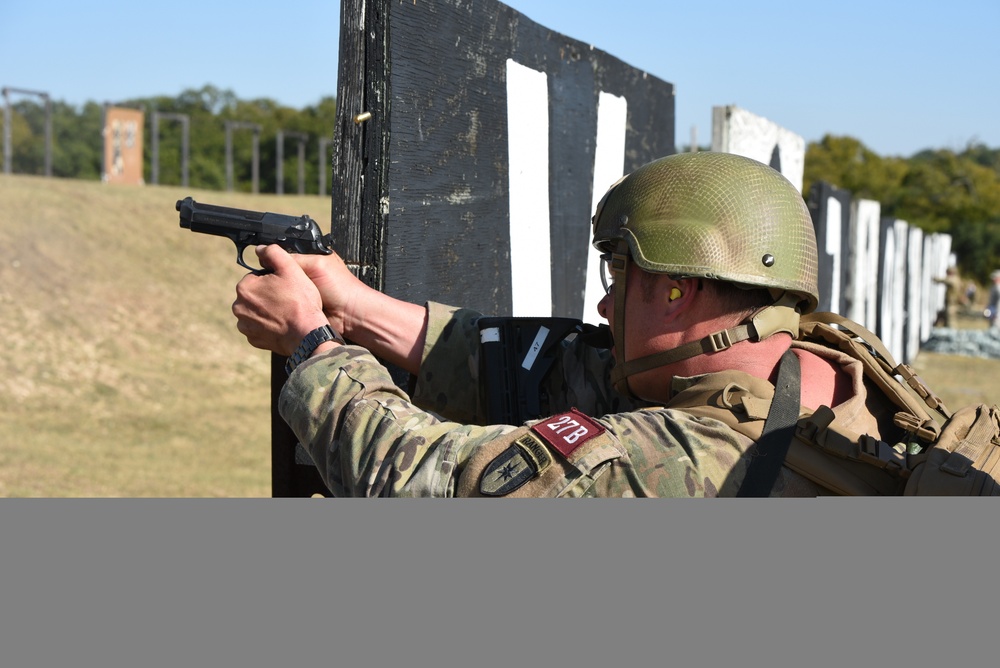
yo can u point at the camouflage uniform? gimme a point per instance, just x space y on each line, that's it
368 439
953 291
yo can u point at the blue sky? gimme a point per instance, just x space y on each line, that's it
899 76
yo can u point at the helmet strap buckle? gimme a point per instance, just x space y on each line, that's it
719 341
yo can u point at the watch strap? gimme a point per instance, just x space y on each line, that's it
309 343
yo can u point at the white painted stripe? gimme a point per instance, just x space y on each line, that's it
834 225
928 291
894 285
855 256
609 166
528 190
901 235
863 276
914 292
536 346
887 278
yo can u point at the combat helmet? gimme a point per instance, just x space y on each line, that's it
717 216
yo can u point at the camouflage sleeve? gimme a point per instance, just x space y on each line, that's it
449 381
367 439
364 435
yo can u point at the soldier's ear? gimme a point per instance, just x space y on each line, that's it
678 288
678 294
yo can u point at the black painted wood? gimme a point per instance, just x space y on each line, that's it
448 231
818 201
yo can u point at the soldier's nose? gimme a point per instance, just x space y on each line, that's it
604 305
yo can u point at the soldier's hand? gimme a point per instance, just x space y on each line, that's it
392 329
342 293
275 311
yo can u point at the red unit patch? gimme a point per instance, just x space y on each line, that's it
567 431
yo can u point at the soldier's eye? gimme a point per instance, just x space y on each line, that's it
606 277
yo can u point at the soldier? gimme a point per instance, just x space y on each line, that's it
993 305
713 259
948 316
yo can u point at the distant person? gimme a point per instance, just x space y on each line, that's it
948 316
994 299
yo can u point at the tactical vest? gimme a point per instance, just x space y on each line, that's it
955 454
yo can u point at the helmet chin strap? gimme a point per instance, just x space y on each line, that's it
781 316
619 270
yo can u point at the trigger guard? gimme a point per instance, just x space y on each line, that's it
253 270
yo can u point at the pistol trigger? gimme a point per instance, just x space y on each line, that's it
240 261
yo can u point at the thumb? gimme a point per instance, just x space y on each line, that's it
274 257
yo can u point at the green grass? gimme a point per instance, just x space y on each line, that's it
122 373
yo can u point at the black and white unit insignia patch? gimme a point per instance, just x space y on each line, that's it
524 460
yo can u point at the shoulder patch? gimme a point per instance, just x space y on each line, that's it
524 460
568 431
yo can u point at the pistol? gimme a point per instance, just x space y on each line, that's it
251 228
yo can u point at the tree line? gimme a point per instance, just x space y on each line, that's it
939 190
78 145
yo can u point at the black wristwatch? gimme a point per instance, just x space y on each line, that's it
309 344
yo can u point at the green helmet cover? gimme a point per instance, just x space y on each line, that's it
714 215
